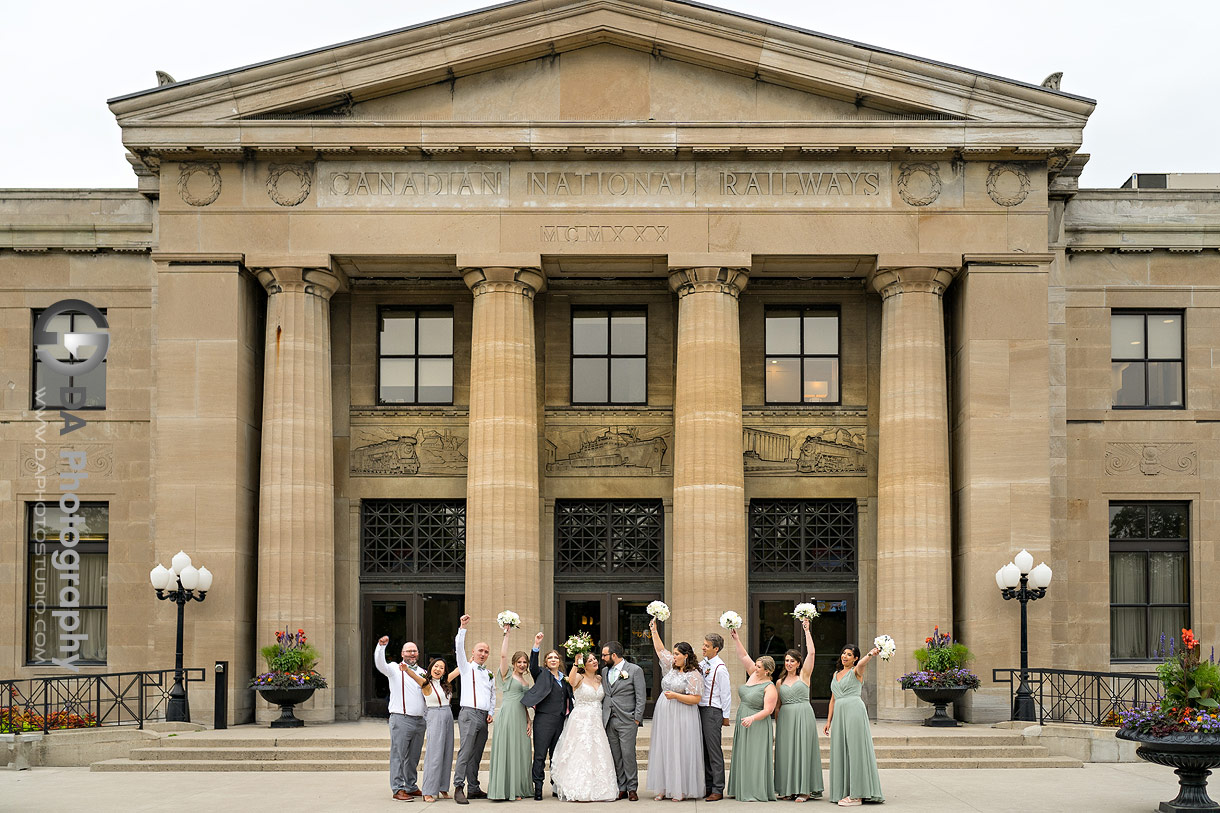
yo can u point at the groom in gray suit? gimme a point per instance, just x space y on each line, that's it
623 714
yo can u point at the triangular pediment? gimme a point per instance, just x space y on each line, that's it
565 61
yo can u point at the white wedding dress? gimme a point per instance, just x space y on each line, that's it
583 768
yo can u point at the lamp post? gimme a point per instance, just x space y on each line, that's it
180 582
1014 581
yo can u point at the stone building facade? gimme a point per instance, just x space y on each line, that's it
567 305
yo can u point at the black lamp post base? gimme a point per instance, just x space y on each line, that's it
177 710
1023 708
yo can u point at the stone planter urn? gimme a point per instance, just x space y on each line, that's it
1191 755
286 699
940 696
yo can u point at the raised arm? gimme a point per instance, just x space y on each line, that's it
657 643
423 682
810 651
504 655
577 673
535 669
454 675
746 660
379 657
459 646
859 670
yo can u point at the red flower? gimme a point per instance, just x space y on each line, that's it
927 640
1188 639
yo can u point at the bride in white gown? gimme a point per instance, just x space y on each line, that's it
582 767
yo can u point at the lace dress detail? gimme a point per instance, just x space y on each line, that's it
675 756
583 767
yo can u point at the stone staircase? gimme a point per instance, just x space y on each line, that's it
247 748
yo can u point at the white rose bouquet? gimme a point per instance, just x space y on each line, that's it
578 644
730 620
658 610
805 611
508 619
887 646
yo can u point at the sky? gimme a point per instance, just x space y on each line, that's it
1151 66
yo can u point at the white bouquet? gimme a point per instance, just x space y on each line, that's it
730 620
578 644
508 619
658 610
805 611
887 646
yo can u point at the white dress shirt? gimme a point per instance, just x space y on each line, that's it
406 697
716 685
478 683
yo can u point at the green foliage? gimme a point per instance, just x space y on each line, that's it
302 658
943 658
1188 681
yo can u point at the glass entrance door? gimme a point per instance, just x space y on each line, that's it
613 617
774 632
428 619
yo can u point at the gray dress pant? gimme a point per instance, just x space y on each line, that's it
472 728
712 720
440 750
622 735
406 743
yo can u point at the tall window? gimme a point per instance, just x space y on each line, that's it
413 537
66 579
415 356
1149 576
1146 359
793 537
47 382
610 356
607 538
802 355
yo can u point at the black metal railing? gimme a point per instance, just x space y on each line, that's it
87 701
1091 698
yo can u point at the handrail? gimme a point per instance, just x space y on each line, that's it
87 701
1079 696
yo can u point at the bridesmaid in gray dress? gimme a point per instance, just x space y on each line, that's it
675 756
438 761
798 757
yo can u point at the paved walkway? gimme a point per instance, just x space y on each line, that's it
1107 788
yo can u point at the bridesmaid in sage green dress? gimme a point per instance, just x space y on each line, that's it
853 765
512 751
752 773
798 757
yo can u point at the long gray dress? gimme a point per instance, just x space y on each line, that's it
438 759
853 764
752 774
798 758
675 757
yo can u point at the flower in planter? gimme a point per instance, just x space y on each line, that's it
1190 696
942 662
290 663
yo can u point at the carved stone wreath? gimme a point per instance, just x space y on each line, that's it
303 174
932 171
1007 198
187 171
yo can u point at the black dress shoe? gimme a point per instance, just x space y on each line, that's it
477 794
538 793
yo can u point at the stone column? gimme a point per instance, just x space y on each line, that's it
296 531
709 536
502 489
914 555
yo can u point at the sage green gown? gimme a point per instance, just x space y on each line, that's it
512 753
853 765
798 756
752 772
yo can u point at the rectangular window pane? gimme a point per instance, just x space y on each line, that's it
1128 521
1128 633
46 386
1167 621
1127 336
398 381
589 381
1164 383
783 332
821 383
590 333
628 381
435 380
1166 521
784 380
1129 578
1127 379
821 334
1164 336
397 336
1168 577
627 334
94 384
435 335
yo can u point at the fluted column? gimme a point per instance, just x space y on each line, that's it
296 530
502 489
914 556
709 535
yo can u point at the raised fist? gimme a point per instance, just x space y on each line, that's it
538 640
383 640
464 620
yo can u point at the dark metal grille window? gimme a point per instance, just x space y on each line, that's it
413 537
1146 369
414 356
49 382
79 583
790 537
609 537
1149 576
802 355
610 356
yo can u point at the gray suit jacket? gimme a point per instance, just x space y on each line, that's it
625 695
